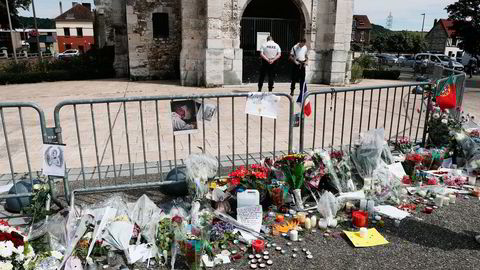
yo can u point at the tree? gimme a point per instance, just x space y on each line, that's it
14 5
380 43
466 16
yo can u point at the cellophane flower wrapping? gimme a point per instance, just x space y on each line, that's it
367 152
200 168
323 161
328 206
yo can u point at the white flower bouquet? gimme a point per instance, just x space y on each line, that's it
15 252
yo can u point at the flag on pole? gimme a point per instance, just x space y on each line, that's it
307 107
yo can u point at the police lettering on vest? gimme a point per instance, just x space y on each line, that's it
270 49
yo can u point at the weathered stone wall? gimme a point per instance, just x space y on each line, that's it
151 57
329 55
111 30
192 55
233 55
437 38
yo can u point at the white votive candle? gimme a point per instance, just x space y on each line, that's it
313 220
439 201
308 224
453 198
322 223
446 200
363 232
293 235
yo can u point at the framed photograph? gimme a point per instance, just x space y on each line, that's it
53 160
184 116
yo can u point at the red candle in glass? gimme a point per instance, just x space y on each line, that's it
428 210
258 246
360 218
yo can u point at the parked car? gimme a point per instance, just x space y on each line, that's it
68 54
406 60
437 59
387 59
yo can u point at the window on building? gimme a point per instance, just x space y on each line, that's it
454 41
362 36
68 46
66 31
49 34
81 49
160 25
79 32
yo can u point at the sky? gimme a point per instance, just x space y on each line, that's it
50 8
406 13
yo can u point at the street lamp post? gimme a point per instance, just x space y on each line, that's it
423 23
36 30
11 32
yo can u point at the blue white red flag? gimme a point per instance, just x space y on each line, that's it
307 108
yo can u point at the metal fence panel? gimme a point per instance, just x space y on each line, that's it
128 142
22 125
340 114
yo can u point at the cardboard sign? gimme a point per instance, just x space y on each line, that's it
262 104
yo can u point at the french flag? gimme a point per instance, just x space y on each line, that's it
307 108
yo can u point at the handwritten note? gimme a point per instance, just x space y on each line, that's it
262 104
250 216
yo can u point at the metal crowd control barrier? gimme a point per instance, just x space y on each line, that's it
20 135
398 106
121 126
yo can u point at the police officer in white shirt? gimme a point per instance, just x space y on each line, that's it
298 55
270 52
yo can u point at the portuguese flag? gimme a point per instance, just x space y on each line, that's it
446 95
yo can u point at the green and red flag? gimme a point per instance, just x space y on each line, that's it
446 94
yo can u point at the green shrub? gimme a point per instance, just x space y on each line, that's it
19 67
365 61
357 73
381 74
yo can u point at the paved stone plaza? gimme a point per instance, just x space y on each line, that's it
47 95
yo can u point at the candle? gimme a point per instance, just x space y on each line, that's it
397 223
360 218
301 217
348 207
322 223
308 224
371 207
428 210
363 205
453 198
472 179
313 220
446 200
332 223
258 246
439 201
422 193
280 218
293 235
363 232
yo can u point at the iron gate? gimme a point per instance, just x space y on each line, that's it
285 32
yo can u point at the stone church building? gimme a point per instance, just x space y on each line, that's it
214 42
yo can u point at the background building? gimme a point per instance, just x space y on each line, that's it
25 40
75 28
361 28
214 42
442 38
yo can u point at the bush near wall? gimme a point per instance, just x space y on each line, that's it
95 64
381 74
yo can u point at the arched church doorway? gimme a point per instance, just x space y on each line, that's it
283 20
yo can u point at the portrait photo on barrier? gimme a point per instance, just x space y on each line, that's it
53 159
184 116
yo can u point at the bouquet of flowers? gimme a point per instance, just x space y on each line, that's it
164 237
15 252
200 168
403 144
413 161
253 177
326 166
293 168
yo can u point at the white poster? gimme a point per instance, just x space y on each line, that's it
53 160
261 38
262 104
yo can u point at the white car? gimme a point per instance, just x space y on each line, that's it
68 54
